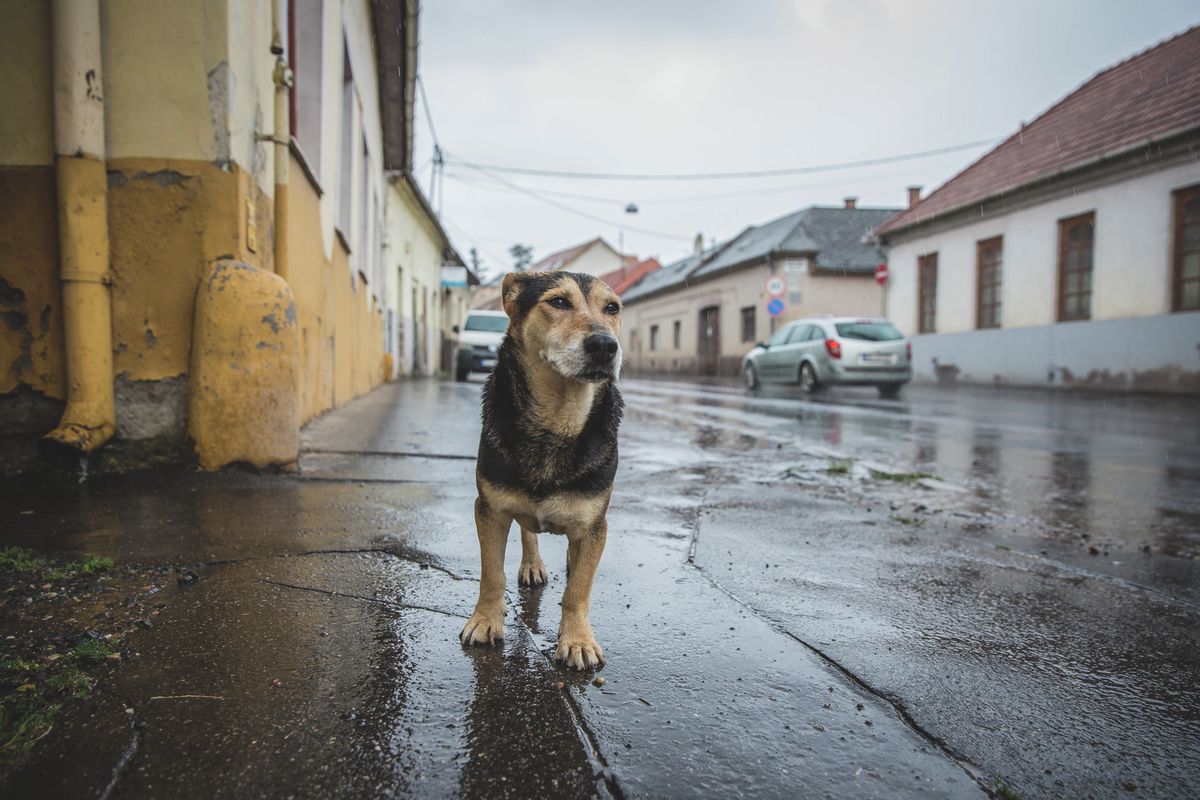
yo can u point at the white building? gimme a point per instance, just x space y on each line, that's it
1069 254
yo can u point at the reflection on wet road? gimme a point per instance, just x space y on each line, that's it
836 597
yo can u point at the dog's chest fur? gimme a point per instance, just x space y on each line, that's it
520 456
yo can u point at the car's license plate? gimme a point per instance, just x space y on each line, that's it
487 363
878 358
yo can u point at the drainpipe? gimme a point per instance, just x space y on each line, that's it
90 417
282 77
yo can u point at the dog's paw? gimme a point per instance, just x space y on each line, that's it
533 574
483 628
579 653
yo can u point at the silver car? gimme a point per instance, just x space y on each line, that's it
822 351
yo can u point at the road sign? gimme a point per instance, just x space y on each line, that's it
775 307
881 274
776 286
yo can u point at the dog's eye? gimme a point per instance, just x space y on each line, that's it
613 309
560 302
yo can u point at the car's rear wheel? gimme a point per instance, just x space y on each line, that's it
808 379
750 377
889 391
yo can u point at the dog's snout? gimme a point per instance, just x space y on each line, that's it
600 346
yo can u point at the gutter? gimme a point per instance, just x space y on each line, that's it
90 416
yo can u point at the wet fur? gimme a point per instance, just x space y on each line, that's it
548 451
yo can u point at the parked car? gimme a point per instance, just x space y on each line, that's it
478 342
824 351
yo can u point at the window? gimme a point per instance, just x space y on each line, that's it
927 278
1075 237
1185 295
653 338
306 29
749 328
989 254
868 331
780 336
800 333
363 240
346 159
676 334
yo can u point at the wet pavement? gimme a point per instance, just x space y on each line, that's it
949 595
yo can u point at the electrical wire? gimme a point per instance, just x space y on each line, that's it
579 213
712 176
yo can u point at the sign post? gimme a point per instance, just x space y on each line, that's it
881 277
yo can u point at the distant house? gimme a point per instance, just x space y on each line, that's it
1069 254
595 257
701 314
620 280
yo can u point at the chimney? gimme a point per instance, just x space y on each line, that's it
851 202
914 195
698 246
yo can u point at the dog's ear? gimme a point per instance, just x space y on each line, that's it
510 288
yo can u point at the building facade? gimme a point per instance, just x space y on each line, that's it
163 169
1070 254
703 313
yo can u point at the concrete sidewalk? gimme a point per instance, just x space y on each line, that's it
317 653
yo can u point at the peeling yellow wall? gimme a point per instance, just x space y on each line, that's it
169 220
341 333
31 332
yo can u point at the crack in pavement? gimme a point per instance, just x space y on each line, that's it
973 771
376 600
137 731
591 746
423 564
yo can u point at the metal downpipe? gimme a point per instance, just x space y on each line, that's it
90 417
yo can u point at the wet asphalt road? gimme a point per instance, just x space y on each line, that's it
839 597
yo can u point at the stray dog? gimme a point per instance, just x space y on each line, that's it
548 451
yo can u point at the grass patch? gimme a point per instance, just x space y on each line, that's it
25 717
20 559
908 520
840 468
1003 547
71 681
17 666
901 477
91 651
1005 791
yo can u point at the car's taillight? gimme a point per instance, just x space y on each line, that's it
834 348
908 350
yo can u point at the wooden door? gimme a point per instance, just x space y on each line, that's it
709 350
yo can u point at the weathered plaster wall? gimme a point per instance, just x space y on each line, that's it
414 262
341 335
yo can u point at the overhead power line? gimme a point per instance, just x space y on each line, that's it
577 212
714 176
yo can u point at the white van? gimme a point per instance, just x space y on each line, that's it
478 342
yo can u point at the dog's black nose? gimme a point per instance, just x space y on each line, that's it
600 347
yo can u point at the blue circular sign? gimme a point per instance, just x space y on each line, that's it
775 307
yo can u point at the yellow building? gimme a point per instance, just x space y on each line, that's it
208 220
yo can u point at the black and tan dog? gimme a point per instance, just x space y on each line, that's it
548 452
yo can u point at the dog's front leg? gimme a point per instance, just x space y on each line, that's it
577 645
486 625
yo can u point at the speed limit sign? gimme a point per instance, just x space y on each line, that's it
776 286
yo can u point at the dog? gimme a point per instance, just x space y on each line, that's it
548 449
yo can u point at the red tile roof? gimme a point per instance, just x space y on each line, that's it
621 279
1145 97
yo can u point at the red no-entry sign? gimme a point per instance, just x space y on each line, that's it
881 274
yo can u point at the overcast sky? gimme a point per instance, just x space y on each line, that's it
688 86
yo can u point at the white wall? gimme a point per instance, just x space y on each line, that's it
596 260
1131 268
